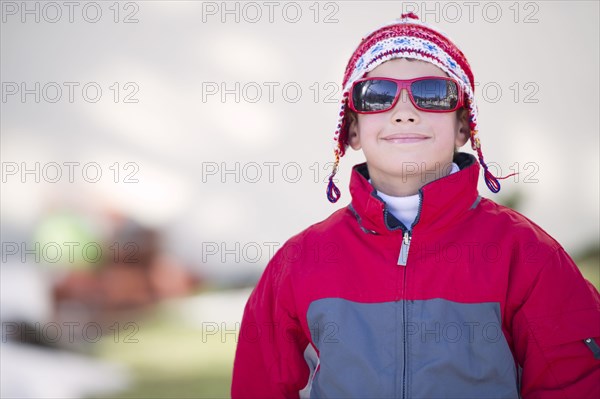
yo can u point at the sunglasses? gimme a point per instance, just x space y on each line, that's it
427 93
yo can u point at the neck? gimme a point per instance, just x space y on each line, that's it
406 184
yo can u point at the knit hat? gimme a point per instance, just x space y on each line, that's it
407 37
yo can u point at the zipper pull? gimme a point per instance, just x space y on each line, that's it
403 257
593 347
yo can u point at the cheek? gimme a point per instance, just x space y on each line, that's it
444 125
371 124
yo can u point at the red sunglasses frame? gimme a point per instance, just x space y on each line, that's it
406 84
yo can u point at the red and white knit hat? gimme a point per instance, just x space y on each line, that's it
406 37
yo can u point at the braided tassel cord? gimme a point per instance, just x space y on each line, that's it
333 193
490 180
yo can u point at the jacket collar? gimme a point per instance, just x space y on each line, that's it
442 200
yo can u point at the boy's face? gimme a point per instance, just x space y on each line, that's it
404 142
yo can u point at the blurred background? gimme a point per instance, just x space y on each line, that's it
155 154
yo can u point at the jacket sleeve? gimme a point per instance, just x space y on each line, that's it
560 311
269 360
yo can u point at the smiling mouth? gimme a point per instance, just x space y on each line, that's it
406 138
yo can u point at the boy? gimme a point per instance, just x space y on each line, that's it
419 287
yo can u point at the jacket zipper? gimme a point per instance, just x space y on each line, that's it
589 342
405 344
402 261
403 257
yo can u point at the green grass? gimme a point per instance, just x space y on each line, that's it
170 360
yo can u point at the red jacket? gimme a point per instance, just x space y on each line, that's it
476 302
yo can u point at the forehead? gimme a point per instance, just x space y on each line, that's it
402 68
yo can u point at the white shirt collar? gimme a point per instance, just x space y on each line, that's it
405 209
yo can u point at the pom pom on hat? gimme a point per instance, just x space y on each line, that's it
406 37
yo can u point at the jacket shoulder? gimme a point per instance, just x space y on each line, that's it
323 229
320 240
520 227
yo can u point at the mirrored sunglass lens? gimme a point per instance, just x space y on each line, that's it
373 95
435 94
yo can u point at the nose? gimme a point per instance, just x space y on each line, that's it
404 110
